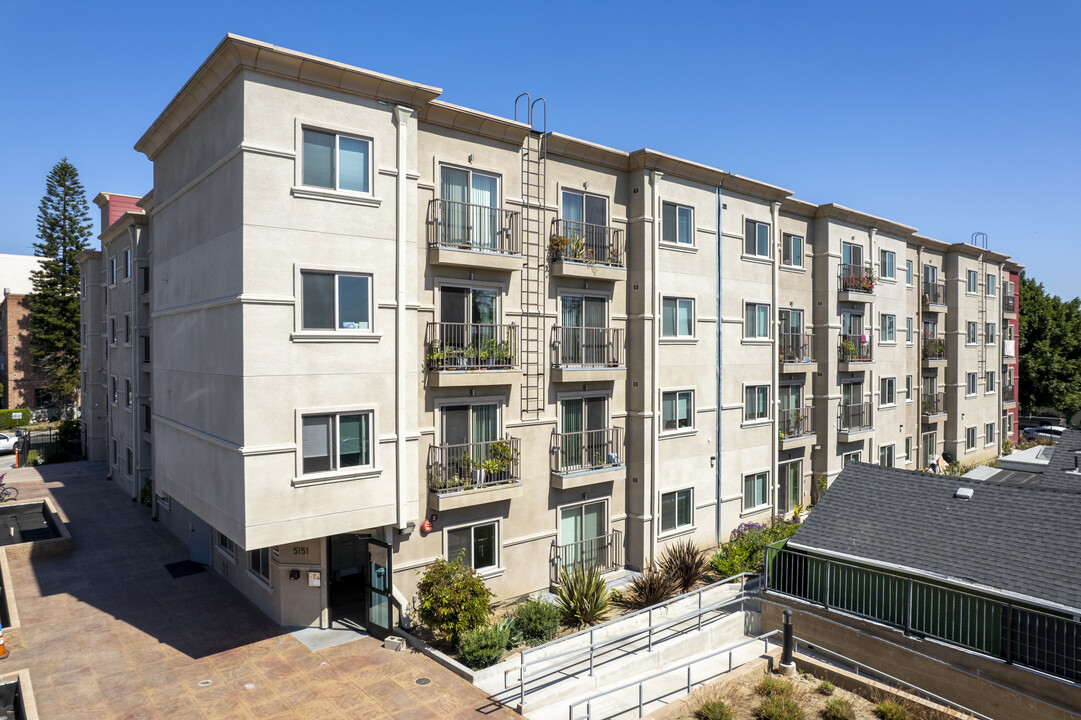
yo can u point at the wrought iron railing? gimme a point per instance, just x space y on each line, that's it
453 468
855 417
933 403
585 242
605 553
1009 392
465 226
1009 303
934 293
797 348
468 346
795 422
855 278
587 450
854 348
587 347
934 347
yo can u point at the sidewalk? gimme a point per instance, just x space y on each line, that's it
107 633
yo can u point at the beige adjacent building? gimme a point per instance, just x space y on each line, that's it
388 329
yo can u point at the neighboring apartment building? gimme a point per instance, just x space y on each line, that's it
21 385
388 329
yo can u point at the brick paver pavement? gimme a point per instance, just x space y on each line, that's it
107 633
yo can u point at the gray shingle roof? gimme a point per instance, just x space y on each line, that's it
1021 539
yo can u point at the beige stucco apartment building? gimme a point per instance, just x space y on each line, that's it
387 329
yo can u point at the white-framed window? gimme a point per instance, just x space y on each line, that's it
989 382
1009 423
888 328
335 301
116 391
336 442
908 330
677 510
989 333
989 433
1009 331
127 264
755 490
112 330
478 545
971 331
677 317
908 273
850 458
127 392
259 563
973 282
756 238
887 391
887 264
677 224
225 545
755 403
677 410
127 328
908 449
991 284
886 455
791 250
970 438
337 162
112 270
908 388
970 383
756 321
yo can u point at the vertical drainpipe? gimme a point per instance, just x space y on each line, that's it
655 203
401 116
775 375
720 372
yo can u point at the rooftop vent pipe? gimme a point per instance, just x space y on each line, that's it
963 493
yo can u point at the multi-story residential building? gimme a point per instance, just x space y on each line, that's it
388 329
21 384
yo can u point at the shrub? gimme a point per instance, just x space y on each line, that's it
7 422
452 598
55 453
746 552
770 686
713 710
838 709
649 588
32 458
483 647
826 688
538 621
891 710
779 707
583 597
685 564
514 633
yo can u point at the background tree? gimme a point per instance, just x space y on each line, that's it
64 227
1049 347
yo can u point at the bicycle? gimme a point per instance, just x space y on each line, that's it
6 491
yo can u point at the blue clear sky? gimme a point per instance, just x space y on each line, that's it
955 117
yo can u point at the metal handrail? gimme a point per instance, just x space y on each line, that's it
854 348
468 226
1009 303
453 468
854 417
933 403
855 278
797 348
604 553
796 422
934 347
585 242
584 347
471 346
587 450
934 293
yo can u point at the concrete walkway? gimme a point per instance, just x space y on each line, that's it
107 633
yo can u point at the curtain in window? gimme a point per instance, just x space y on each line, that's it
318 308
686 321
318 159
571 445
485 430
684 409
596 234
592 530
570 345
354 435
315 444
668 411
484 318
570 533
485 224
353 310
353 164
594 320
454 191
668 512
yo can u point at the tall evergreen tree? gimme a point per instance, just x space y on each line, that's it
1049 351
64 227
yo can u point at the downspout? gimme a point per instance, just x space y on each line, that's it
401 115
135 370
719 375
775 377
654 373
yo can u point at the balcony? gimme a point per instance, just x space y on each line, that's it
853 420
796 428
476 236
1009 304
797 352
934 293
1009 348
587 458
585 354
934 350
932 404
605 553
1009 394
464 354
473 473
853 352
855 283
586 251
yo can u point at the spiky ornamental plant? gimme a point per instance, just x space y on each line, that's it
64 226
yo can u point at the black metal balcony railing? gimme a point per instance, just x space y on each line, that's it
854 348
856 278
934 348
933 403
585 242
587 450
795 423
467 346
452 468
852 418
1009 303
466 226
797 348
1009 392
605 553
934 293
587 347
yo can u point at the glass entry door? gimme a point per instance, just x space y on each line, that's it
470 202
360 585
582 536
583 338
583 424
379 577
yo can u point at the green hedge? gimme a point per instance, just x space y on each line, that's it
7 422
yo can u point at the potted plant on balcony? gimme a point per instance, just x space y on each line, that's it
867 281
557 245
848 349
503 455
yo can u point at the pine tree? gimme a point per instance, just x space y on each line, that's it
64 227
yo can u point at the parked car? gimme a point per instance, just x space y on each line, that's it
1044 432
7 443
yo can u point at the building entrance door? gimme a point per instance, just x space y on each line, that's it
360 585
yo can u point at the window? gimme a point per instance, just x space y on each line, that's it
677 224
908 273
989 333
127 392
989 384
259 563
336 442
885 455
1009 423
116 391
756 321
147 415
970 335
790 492
970 383
852 457
676 510
225 545
112 330
476 544
791 250
112 271
973 282
755 403
127 329
114 452
127 264
755 490
928 449
146 349
677 317
991 285
908 388
908 449
908 331
470 209
756 238
335 302
888 391
676 410
970 438
887 261
337 162
989 433
131 463
889 328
